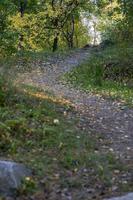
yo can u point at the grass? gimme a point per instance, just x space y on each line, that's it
108 73
30 134
27 57
37 130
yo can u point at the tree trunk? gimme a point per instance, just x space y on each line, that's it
73 30
94 34
70 42
69 35
22 7
55 43
76 41
20 46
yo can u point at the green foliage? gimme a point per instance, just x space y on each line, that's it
119 17
38 25
7 36
109 73
35 131
35 25
28 186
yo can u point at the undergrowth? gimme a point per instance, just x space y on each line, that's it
108 72
44 135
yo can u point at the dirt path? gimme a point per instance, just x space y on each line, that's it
108 118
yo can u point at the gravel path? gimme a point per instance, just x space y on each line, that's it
104 116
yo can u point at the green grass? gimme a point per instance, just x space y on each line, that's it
108 73
29 135
27 57
35 131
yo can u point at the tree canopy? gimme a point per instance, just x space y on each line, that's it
39 25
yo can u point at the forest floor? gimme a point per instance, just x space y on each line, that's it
101 114
109 121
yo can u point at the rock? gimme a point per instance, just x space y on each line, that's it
129 196
11 175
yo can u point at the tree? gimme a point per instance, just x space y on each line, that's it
61 13
40 24
6 35
22 7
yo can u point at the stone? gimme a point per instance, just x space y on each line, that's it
11 175
128 196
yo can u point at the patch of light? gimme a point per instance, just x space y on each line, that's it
91 23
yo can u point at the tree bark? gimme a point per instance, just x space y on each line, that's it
69 34
22 7
72 32
55 43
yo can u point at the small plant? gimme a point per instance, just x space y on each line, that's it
28 186
98 73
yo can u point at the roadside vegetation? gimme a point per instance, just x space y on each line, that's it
109 73
43 133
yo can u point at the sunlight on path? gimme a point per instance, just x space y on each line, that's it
42 95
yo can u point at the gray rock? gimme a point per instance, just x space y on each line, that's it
129 196
11 175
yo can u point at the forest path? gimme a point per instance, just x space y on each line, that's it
110 119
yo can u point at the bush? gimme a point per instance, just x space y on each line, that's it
118 32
